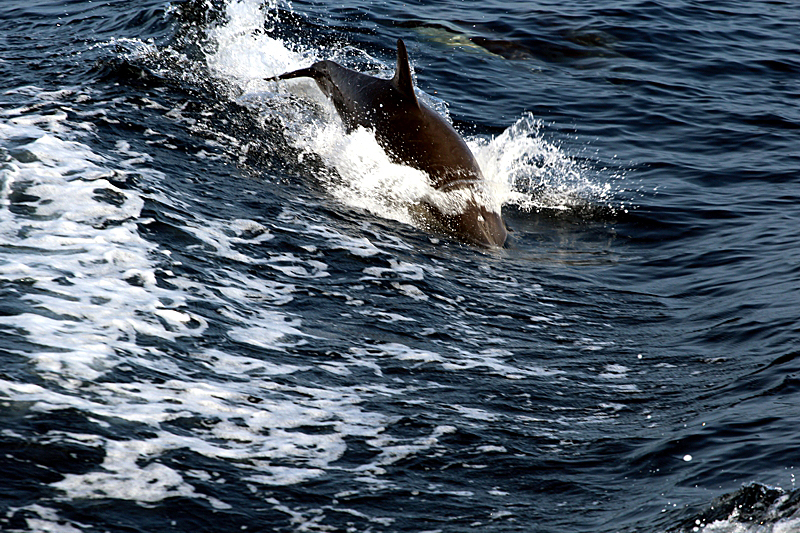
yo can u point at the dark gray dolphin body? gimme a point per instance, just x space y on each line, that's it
413 134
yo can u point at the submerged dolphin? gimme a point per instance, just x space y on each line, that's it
413 134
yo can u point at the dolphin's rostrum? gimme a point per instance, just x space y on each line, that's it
415 135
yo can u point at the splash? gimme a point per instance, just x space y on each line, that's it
531 173
521 168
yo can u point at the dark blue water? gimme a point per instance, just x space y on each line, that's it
217 314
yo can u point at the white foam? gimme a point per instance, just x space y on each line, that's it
361 247
227 364
275 327
254 434
614 372
216 235
92 243
365 177
526 170
406 353
48 520
493 361
243 51
477 414
123 478
402 269
111 295
394 450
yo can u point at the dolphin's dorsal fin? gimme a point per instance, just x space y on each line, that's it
402 76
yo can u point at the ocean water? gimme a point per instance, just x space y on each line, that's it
217 314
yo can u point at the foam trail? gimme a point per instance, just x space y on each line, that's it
79 242
73 235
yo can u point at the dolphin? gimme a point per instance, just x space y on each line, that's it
413 134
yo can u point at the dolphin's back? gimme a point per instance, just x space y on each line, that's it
410 132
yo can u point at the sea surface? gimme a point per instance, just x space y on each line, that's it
218 315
